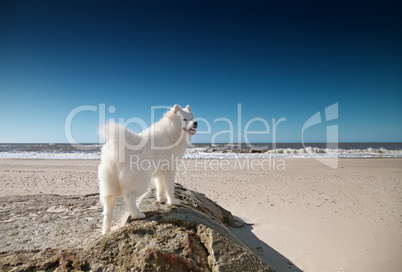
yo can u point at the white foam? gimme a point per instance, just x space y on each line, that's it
308 152
51 155
210 153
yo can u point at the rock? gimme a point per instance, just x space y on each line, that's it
33 222
257 151
54 209
194 236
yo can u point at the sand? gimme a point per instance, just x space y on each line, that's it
300 211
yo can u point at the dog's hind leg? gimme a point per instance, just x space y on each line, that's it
131 205
109 202
160 190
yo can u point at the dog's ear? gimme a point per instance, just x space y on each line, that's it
188 108
176 108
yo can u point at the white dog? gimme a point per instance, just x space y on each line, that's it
129 161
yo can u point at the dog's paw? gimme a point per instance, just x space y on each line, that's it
174 201
161 200
139 216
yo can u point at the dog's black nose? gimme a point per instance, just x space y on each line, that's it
195 124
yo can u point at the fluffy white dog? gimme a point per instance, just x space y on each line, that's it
129 161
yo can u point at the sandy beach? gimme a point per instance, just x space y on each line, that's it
321 219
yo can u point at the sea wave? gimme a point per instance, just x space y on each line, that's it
51 155
213 153
308 152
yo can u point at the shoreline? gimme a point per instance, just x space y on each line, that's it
321 219
210 151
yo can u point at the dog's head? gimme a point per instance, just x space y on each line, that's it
187 119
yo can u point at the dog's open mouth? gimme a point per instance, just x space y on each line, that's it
190 130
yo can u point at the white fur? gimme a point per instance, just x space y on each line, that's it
165 141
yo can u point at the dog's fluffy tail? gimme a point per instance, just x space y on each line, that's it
108 130
117 136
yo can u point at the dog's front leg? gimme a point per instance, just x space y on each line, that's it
169 187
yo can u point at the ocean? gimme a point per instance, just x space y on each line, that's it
219 151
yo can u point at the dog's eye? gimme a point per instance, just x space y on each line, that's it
185 120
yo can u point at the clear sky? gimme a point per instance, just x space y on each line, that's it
272 59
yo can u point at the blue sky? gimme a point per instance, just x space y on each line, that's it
278 60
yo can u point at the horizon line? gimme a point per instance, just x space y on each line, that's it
221 143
